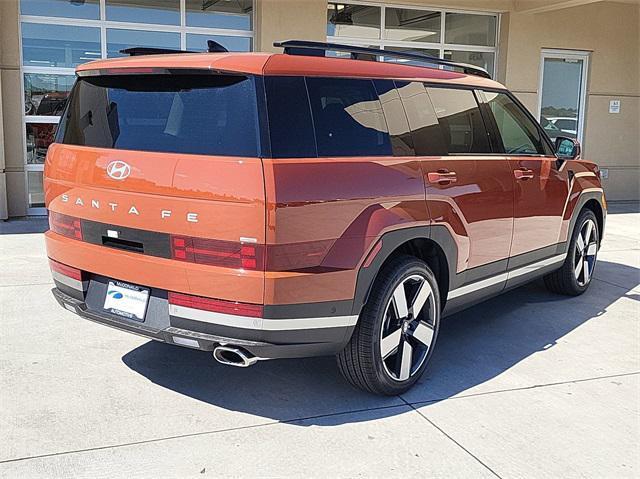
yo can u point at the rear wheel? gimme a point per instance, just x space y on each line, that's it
575 275
394 339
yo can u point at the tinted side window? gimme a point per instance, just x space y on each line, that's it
425 129
348 118
518 133
399 132
460 120
290 125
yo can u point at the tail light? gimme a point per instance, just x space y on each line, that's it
65 270
65 225
228 254
215 305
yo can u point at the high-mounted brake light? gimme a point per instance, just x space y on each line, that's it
65 225
65 270
227 254
215 305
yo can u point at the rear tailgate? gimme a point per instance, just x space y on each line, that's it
180 220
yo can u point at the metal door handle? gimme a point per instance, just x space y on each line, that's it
442 177
523 174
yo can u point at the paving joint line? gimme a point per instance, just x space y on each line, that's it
21 285
486 466
525 388
614 284
197 434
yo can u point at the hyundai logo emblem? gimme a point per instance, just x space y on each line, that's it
118 170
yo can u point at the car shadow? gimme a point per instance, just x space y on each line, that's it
474 347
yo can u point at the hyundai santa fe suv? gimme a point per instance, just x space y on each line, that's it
265 206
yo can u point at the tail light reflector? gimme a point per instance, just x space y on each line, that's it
215 305
65 225
65 270
217 252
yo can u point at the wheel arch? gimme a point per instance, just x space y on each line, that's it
591 199
434 245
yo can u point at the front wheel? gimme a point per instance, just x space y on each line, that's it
575 275
397 331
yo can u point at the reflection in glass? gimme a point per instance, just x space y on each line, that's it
35 189
405 61
118 39
482 59
355 21
198 43
427 136
348 118
234 15
46 94
460 120
396 118
469 29
165 12
561 91
412 25
59 45
39 137
86 9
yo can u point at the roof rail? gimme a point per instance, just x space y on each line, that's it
212 47
301 47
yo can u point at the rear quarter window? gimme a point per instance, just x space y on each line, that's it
348 118
196 114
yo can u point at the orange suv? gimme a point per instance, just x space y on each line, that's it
265 206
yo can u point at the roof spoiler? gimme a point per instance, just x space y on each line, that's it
212 47
308 48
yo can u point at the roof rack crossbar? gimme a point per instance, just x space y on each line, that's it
212 47
301 47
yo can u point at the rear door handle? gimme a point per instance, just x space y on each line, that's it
523 174
442 177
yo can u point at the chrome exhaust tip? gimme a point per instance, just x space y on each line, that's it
234 357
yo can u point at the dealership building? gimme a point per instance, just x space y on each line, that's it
574 63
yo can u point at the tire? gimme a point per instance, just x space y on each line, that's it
576 273
392 344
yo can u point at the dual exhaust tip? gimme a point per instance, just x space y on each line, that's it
234 356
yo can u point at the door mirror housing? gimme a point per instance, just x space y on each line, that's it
567 148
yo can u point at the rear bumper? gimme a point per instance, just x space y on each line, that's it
262 337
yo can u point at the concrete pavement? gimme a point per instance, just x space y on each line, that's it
528 384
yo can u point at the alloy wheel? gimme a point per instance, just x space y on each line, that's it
408 328
584 259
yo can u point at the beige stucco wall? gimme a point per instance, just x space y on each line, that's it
11 92
610 31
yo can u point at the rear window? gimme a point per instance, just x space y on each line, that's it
197 114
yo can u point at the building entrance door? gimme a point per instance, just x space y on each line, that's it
563 86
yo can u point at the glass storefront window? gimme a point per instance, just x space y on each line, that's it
118 39
85 9
355 21
234 15
485 60
470 29
429 51
198 43
46 94
39 137
35 189
164 12
412 25
59 45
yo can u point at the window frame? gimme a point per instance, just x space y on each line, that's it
441 46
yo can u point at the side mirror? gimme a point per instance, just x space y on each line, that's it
567 148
